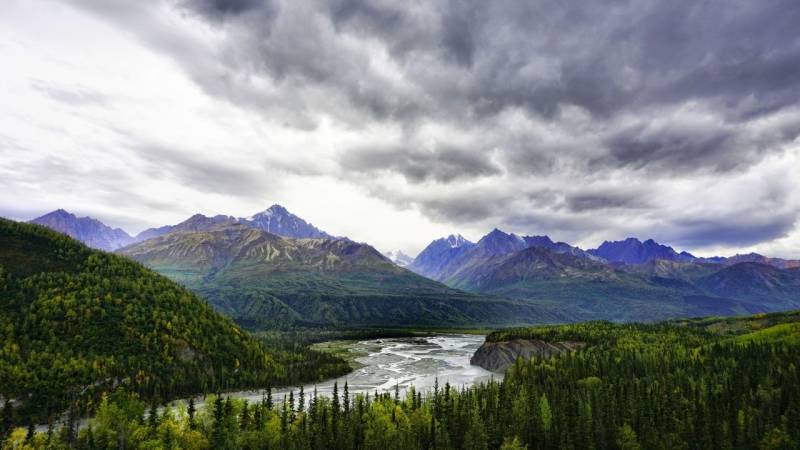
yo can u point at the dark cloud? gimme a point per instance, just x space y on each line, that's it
524 93
738 231
675 146
443 164
221 8
202 174
597 200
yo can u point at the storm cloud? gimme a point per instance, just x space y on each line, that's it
675 120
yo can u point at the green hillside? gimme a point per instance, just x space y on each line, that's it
262 279
76 322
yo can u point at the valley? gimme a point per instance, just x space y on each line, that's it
307 340
383 225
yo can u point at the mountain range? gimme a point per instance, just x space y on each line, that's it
633 251
260 278
275 267
620 281
275 219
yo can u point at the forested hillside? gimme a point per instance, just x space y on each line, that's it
76 322
694 384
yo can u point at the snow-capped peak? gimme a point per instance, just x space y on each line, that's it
456 240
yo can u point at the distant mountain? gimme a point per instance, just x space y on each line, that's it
644 281
529 264
445 258
260 278
399 258
438 254
90 231
756 258
558 247
277 220
633 251
500 243
584 289
151 233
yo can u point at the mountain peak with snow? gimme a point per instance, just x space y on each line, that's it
278 220
399 258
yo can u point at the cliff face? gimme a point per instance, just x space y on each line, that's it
497 356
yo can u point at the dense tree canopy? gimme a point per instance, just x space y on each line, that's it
661 386
76 322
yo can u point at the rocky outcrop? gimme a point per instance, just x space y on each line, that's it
497 356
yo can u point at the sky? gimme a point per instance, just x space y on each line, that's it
395 123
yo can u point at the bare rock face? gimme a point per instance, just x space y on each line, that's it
497 356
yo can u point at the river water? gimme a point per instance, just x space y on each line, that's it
404 362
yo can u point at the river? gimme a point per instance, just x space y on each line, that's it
404 362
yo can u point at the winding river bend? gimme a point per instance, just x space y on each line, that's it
404 362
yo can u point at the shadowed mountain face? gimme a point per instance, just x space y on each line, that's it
633 251
261 278
90 231
438 254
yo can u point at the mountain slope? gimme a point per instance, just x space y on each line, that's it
261 278
90 231
77 322
757 282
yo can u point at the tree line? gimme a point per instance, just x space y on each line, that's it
635 387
